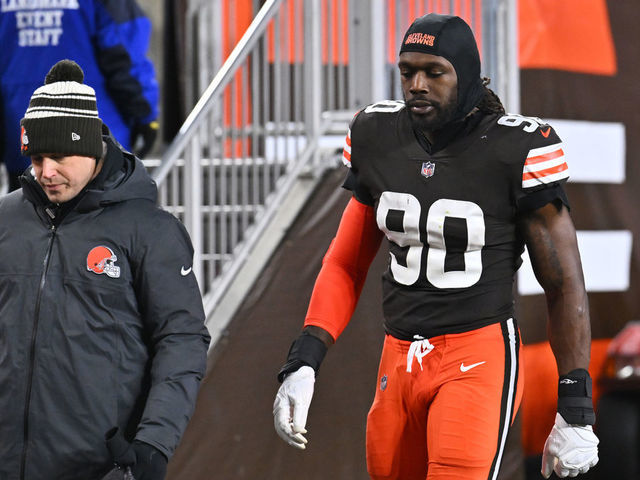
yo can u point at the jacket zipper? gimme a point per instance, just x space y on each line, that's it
32 351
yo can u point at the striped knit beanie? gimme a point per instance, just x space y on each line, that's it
62 116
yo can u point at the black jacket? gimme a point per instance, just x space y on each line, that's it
101 325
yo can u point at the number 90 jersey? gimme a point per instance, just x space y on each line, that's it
450 217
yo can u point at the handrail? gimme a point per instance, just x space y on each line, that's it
242 254
224 75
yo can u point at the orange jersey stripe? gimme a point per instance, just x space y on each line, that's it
545 173
544 158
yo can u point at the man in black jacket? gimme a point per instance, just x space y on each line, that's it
101 319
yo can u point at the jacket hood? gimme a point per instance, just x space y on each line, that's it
131 181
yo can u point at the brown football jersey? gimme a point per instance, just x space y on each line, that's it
451 216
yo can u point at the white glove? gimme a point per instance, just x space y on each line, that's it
291 406
569 449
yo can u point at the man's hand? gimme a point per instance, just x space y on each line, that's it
143 137
569 449
142 460
291 406
150 464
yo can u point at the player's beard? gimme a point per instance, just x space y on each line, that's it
443 114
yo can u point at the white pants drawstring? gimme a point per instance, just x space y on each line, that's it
418 349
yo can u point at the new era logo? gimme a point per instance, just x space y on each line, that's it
74 137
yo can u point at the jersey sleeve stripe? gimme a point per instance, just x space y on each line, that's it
544 157
346 158
546 179
545 172
544 165
535 152
346 151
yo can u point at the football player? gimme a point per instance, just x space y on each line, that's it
458 188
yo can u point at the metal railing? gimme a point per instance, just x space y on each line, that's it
300 65
216 174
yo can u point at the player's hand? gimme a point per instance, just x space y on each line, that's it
143 136
291 406
569 449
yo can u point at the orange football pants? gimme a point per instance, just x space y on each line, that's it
446 419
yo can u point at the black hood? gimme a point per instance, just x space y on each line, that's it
129 180
450 37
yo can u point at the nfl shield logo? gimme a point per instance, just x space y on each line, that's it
383 383
427 169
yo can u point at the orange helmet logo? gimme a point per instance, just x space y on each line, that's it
102 260
24 140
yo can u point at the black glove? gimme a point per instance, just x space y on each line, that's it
146 462
150 464
142 138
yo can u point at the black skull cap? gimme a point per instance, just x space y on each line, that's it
450 37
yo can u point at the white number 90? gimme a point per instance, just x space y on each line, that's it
436 255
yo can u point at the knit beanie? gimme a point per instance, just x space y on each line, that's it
450 37
62 116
